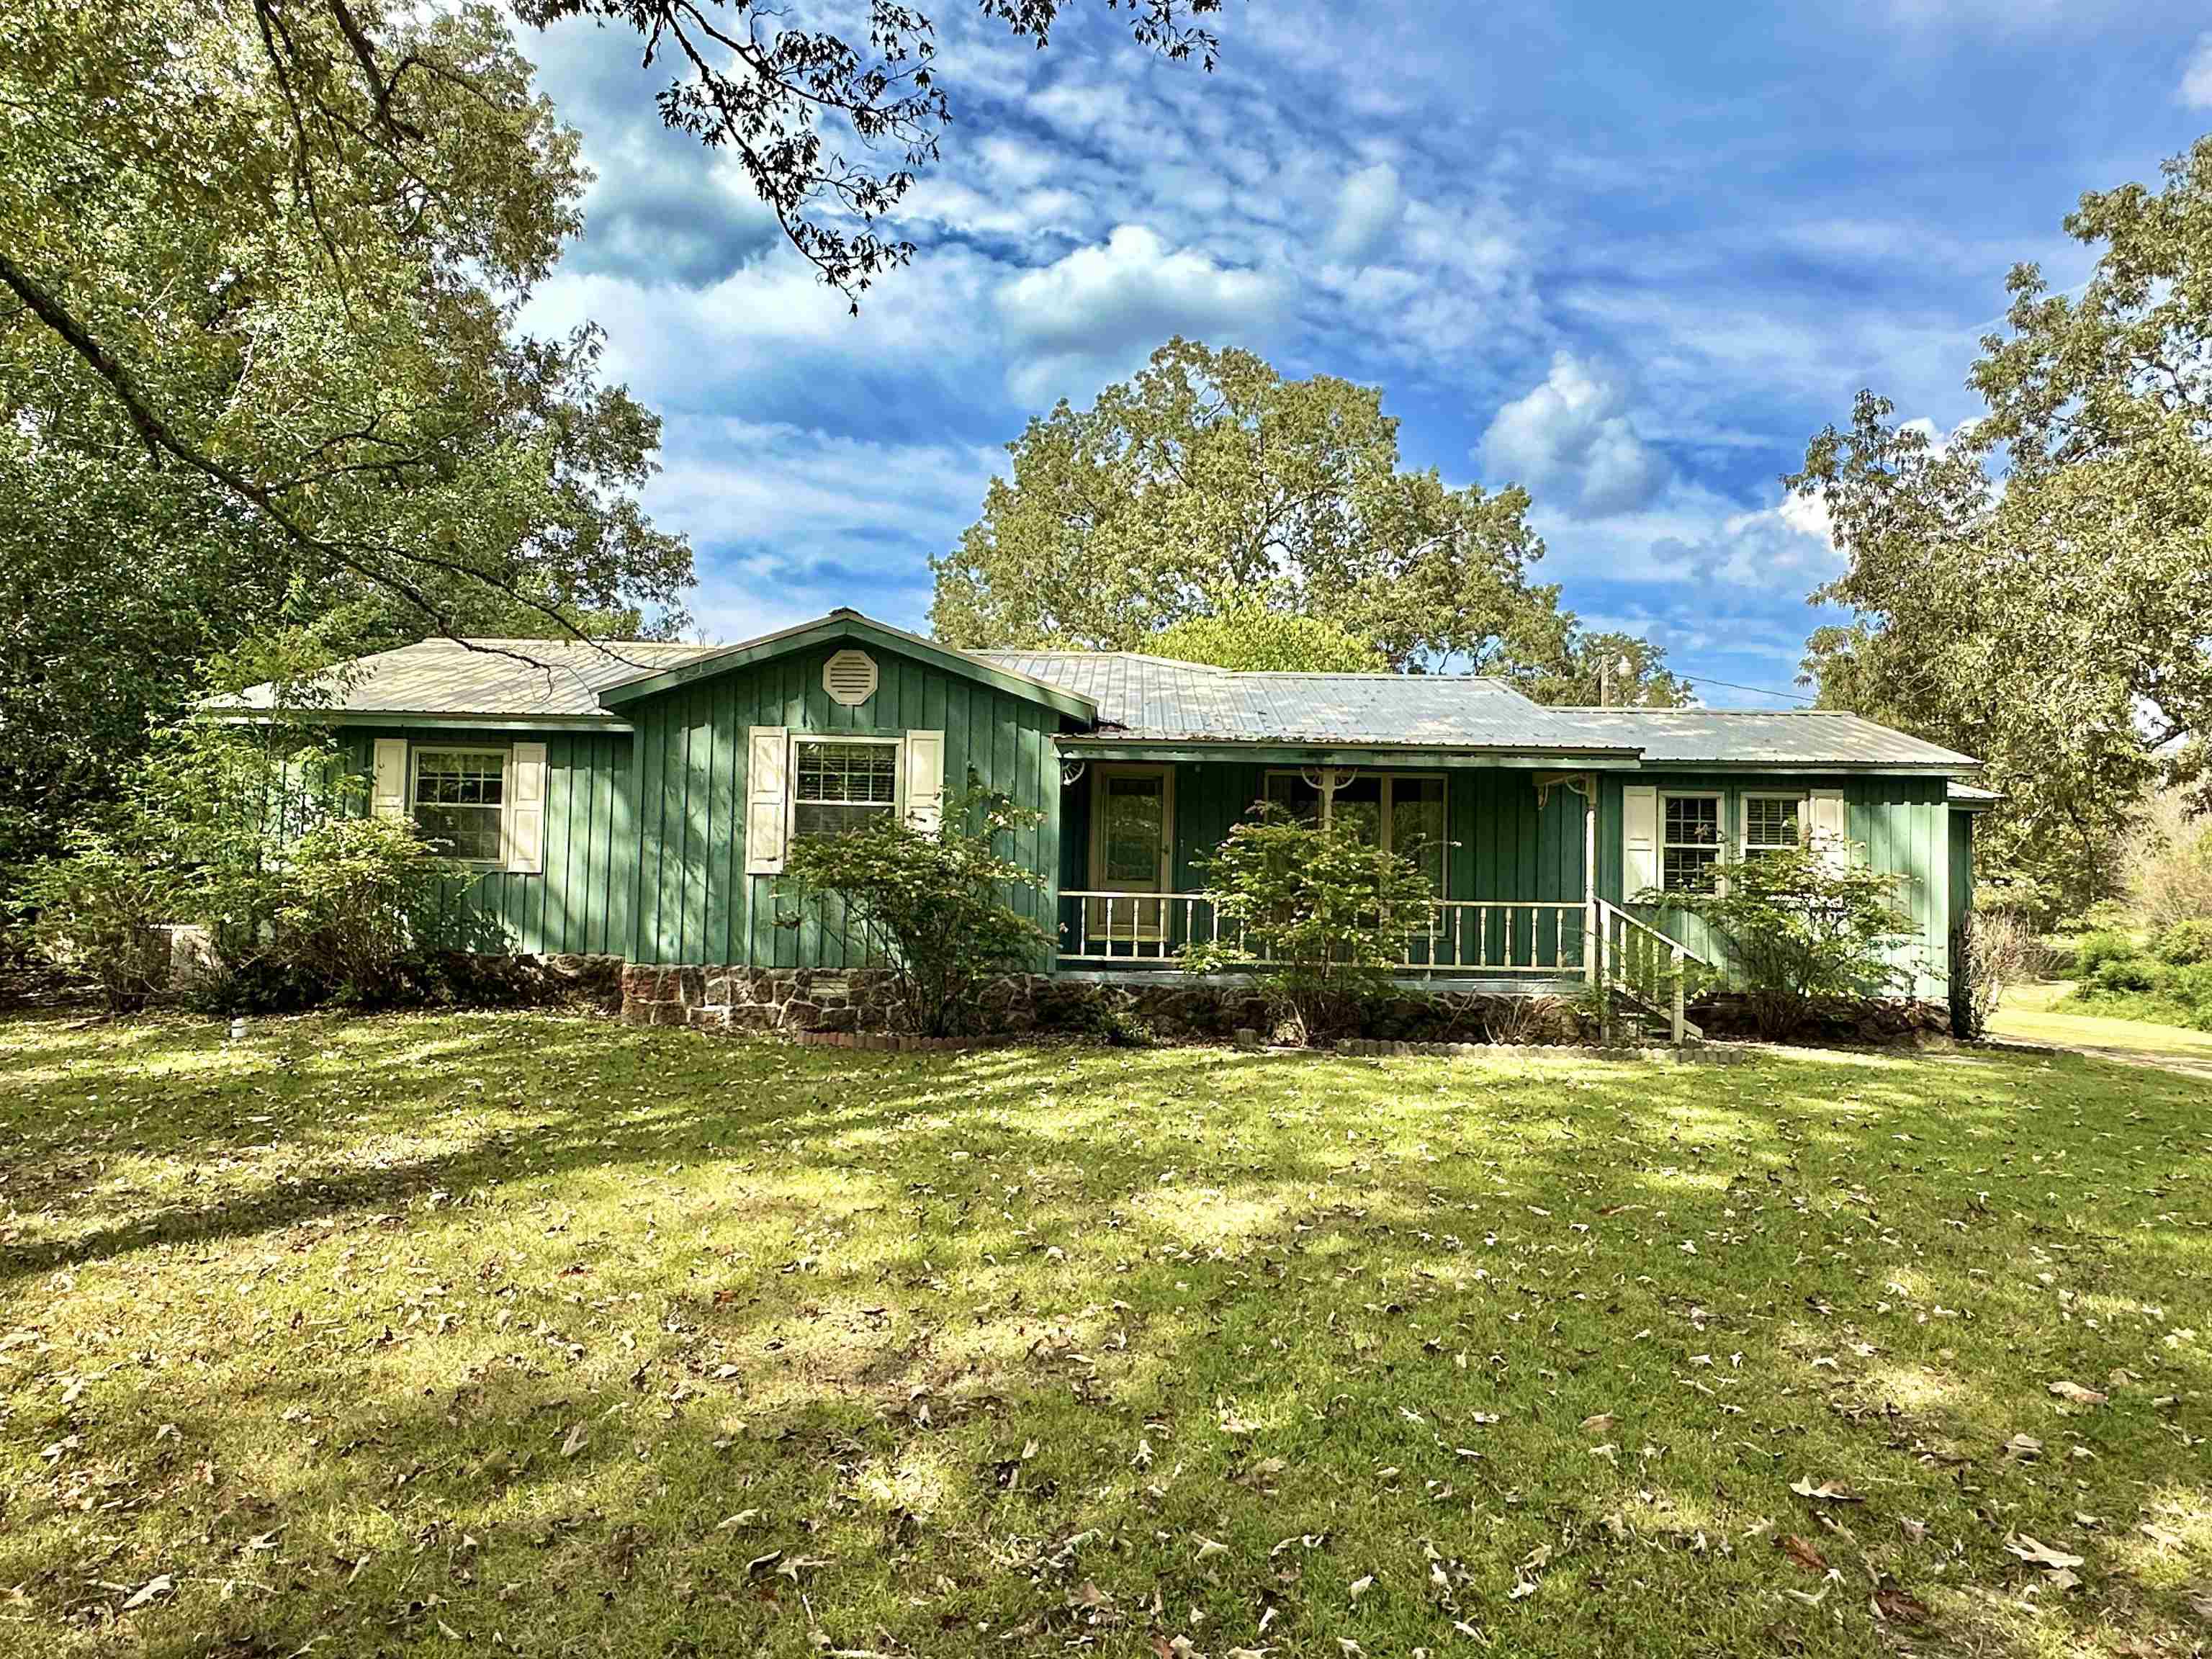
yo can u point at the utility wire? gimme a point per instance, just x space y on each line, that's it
1756 691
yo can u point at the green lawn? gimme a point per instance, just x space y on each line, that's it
2049 1013
537 1333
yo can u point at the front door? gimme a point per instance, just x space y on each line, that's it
1132 839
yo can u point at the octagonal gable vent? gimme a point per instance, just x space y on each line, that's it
849 677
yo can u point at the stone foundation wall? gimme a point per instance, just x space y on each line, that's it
1882 1022
863 1002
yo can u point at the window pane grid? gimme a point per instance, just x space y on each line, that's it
1769 823
841 787
460 800
854 773
1692 842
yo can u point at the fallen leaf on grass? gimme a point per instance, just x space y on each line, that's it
2037 1554
1597 1425
578 1434
1802 1552
2077 1393
1833 1492
1895 1605
1361 1585
1210 1546
160 1585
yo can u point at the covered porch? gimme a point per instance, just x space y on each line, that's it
1507 849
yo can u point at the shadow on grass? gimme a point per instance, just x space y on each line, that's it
644 1340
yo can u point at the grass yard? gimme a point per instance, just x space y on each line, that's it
2049 1013
539 1334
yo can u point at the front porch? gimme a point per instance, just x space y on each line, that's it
1507 852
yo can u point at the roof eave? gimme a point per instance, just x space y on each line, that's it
419 717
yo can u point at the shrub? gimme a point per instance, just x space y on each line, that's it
930 904
1324 915
2125 974
2167 863
2184 944
92 913
363 907
2094 950
1800 930
1988 954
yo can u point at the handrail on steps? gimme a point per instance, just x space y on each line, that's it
1635 958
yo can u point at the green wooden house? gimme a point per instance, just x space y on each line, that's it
639 799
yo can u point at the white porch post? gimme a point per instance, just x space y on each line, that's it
1593 941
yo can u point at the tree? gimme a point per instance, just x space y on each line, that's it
259 366
1210 473
2033 589
1619 669
1242 632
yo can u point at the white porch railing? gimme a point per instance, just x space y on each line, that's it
1465 936
1636 962
1592 940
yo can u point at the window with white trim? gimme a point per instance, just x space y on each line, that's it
1402 811
1773 823
459 801
841 785
1690 840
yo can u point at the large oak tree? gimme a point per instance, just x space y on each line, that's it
2036 588
1208 484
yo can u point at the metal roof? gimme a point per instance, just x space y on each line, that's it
1747 737
1138 698
1156 699
482 679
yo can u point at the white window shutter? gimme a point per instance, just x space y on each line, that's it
388 779
925 781
1639 838
766 768
525 808
1830 828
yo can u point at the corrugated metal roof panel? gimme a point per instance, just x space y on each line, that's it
527 679
1155 698
1671 737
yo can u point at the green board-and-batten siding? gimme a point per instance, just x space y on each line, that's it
1901 825
692 901
580 901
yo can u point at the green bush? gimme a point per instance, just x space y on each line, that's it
92 913
2184 944
1800 930
364 908
930 904
1323 914
2095 950
2125 974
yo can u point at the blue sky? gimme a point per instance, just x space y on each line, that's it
1630 256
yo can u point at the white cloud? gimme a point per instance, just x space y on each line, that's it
1369 206
1571 437
1106 306
2196 78
790 521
